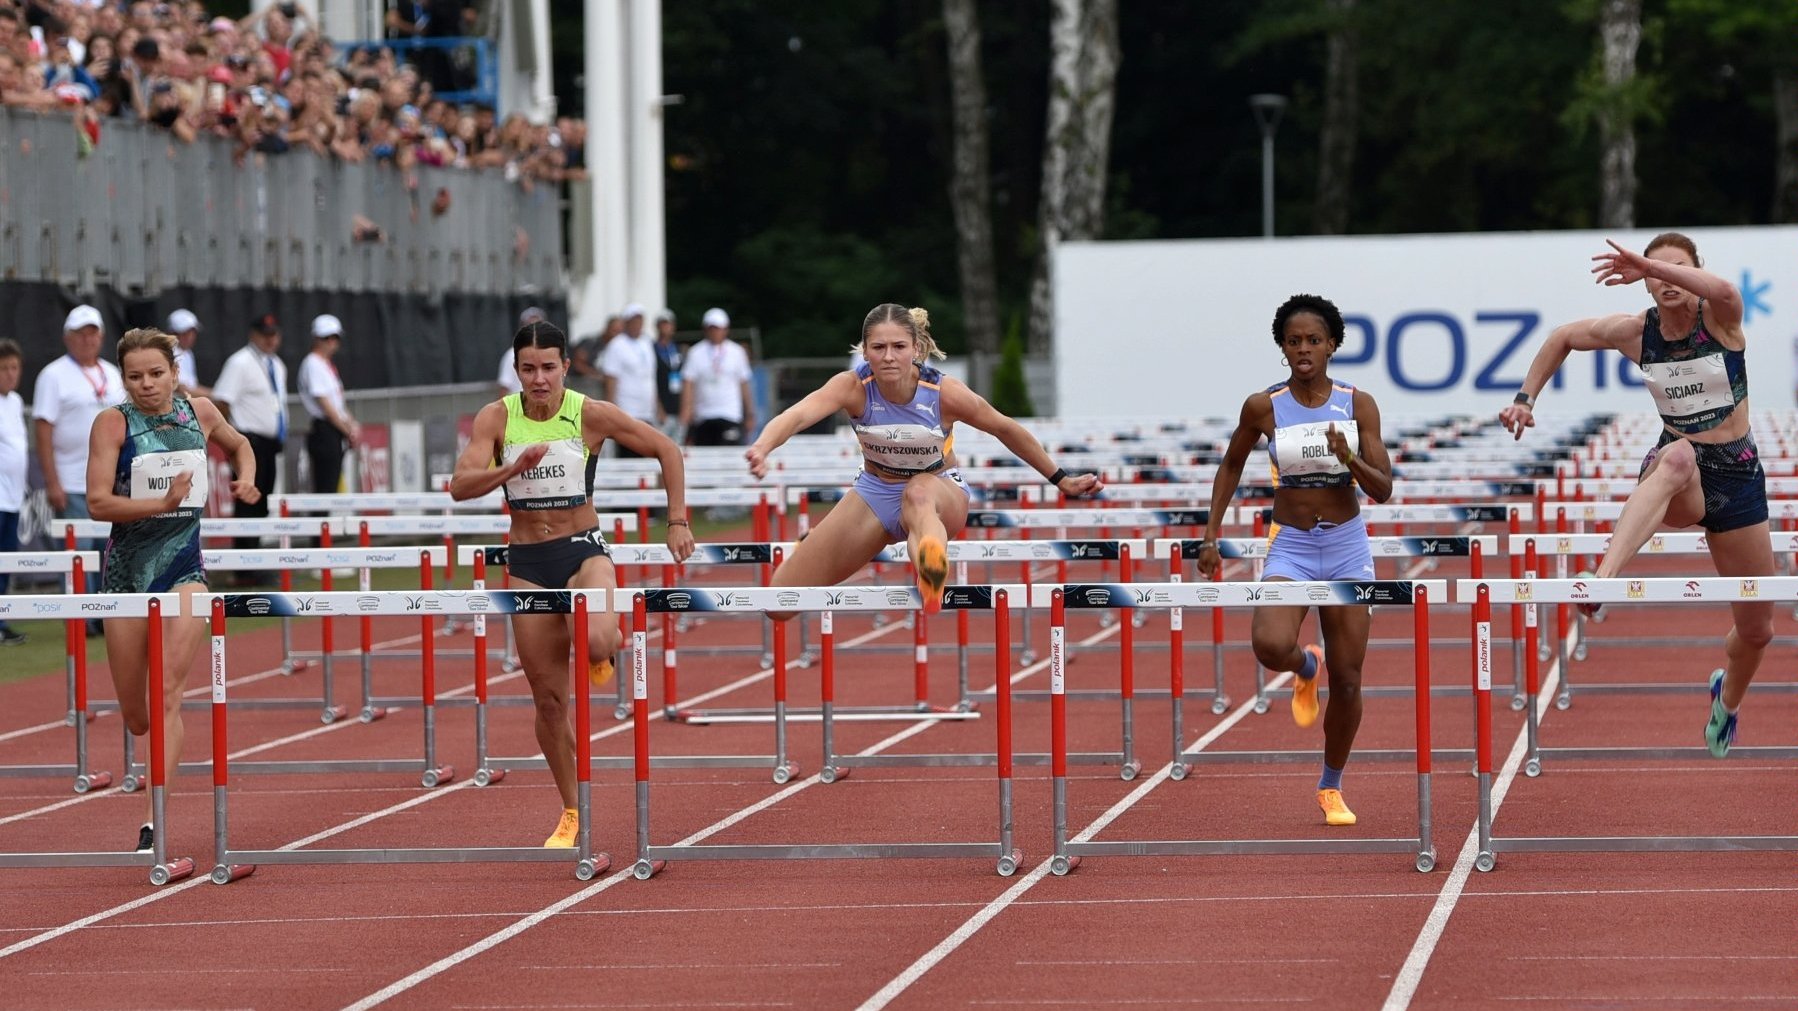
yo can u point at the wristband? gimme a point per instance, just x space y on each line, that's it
1059 476
1524 399
1351 457
680 523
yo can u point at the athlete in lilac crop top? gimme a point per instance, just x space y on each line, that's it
1323 439
904 412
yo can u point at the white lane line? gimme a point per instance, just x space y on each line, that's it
930 959
50 935
1410 974
40 728
499 937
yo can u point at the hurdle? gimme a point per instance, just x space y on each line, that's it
73 565
1718 589
652 858
1416 593
233 864
163 868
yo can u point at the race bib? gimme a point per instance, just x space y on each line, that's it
1304 450
152 472
559 481
1688 388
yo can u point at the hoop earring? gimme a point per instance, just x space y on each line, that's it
1284 363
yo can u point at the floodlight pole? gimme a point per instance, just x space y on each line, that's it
1267 109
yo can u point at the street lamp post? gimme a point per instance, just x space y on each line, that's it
1267 109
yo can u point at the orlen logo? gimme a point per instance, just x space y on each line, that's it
1692 589
1579 590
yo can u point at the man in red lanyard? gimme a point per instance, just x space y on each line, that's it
70 392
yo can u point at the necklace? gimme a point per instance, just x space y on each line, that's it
1303 393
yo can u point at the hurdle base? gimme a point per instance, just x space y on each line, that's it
1240 847
177 869
828 851
370 714
437 777
440 855
224 874
488 776
1643 844
1692 753
1209 757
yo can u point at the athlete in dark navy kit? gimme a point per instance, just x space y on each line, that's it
1323 439
1705 469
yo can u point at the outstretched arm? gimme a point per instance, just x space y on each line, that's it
1621 332
1623 266
962 404
842 392
604 419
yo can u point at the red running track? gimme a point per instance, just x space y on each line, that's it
1544 930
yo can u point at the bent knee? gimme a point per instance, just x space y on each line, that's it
1678 463
1272 655
136 720
917 494
1756 632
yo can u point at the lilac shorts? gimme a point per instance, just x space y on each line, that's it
1326 551
885 498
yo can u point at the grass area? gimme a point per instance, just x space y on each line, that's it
44 652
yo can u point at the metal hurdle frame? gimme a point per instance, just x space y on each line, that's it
73 566
233 864
163 868
652 858
1718 589
491 769
1416 593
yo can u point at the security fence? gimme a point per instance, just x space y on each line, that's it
143 212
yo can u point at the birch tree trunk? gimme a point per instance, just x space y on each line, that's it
1342 112
969 186
1083 64
1620 32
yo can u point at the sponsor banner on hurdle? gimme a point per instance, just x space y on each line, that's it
349 504
341 603
811 598
47 561
1591 512
318 558
1028 551
309 526
1716 589
1041 518
1382 547
47 606
1300 594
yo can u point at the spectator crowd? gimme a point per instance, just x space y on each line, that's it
269 83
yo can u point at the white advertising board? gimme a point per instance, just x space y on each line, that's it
1434 323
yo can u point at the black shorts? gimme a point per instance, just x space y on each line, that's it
718 432
551 564
1734 483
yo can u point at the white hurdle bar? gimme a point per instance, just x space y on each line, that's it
651 858
1484 594
1415 593
73 566
231 864
152 607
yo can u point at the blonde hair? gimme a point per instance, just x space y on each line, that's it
147 339
914 321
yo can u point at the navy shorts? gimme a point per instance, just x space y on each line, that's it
551 564
1735 485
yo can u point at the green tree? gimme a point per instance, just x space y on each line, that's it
1011 393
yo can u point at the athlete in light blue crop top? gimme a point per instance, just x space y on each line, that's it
1705 469
1323 439
904 412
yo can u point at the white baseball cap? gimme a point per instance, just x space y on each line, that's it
717 317
83 315
631 311
183 320
666 315
326 325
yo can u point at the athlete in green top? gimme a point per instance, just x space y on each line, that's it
146 475
541 445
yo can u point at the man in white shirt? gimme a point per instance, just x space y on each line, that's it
629 364
70 393
508 373
717 402
186 328
321 393
252 387
12 465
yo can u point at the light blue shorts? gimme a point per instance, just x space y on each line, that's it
885 498
1326 551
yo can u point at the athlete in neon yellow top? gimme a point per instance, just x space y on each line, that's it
540 445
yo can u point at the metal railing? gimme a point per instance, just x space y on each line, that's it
145 211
